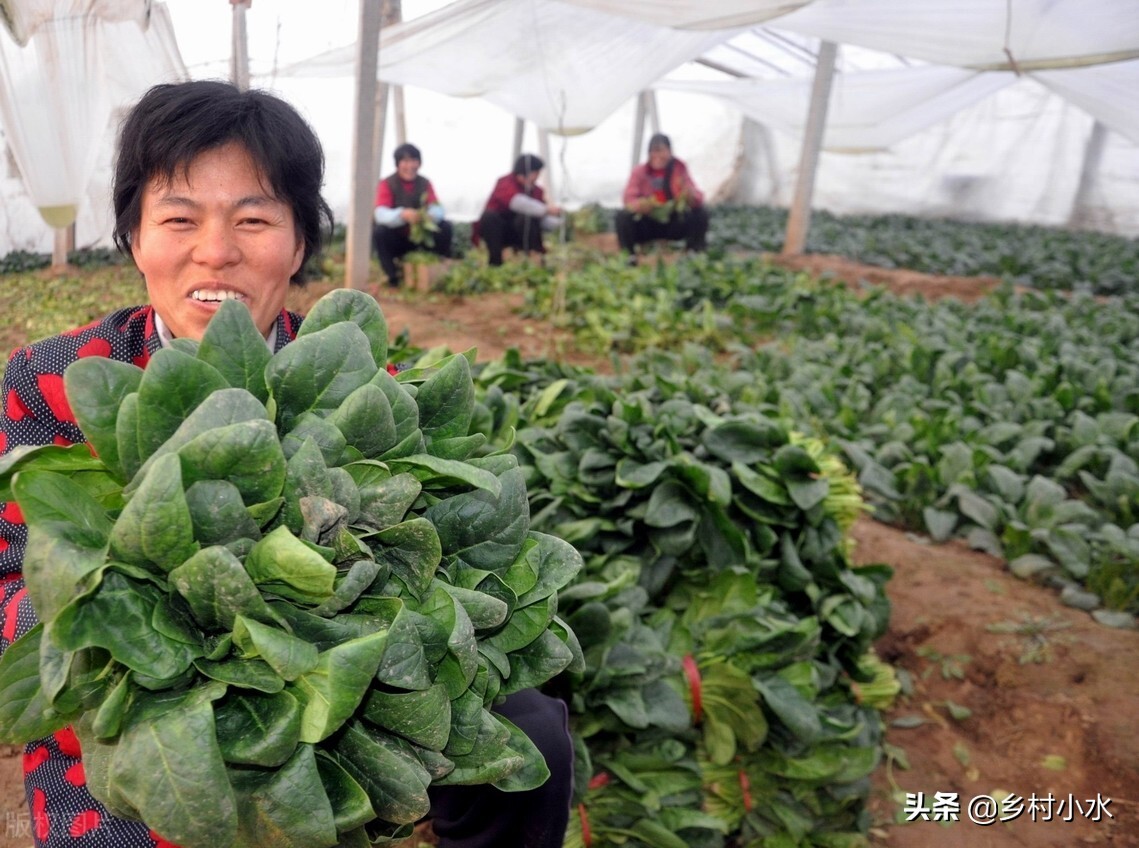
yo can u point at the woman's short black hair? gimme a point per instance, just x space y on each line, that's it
174 123
406 151
660 140
527 163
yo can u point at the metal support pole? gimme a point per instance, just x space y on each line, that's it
799 218
359 246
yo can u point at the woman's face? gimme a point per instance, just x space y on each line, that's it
407 169
658 157
212 234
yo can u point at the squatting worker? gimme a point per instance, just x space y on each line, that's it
217 196
404 199
516 213
661 202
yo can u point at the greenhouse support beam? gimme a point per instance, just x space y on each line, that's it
391 13
639 128
1089 173
799 218
379 122
646 108
519 133
62 245
547 176
239 49
358 249
400 113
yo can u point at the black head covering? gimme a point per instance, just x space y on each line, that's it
528 163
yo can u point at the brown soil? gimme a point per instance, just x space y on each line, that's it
1011 691
899 281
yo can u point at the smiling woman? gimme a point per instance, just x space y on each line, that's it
217 194
217 197
212 234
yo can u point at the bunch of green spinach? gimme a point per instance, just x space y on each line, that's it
280 600
722 624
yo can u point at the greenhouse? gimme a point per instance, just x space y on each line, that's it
821 526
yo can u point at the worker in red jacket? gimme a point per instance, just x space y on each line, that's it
661 201
405 199
516 212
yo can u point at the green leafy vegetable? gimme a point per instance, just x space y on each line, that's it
285 599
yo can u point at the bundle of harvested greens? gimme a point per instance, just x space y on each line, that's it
281 599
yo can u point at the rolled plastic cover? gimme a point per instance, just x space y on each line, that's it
59 89
23 18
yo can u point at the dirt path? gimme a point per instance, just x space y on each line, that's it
1011 692
1046 701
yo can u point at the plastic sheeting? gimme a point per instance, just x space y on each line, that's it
24 17
871 110
567 64
1083 50
564 67
684 14
1106 91
1013 156
50 112
59 90
981 34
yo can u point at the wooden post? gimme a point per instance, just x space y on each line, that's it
639 129
379 122
1093 153
358 249
62 245
400 115
799 218
519 131
239 53
391 14
548 171
651 109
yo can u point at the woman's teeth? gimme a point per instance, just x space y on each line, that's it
215 295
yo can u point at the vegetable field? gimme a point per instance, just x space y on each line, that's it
688 426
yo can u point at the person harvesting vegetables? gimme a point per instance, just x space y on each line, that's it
408 215
217 198
516 213
661 202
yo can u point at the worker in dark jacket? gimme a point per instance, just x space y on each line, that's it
408 215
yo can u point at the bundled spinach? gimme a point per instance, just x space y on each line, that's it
726 634
281 600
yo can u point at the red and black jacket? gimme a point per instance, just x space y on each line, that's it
35 411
